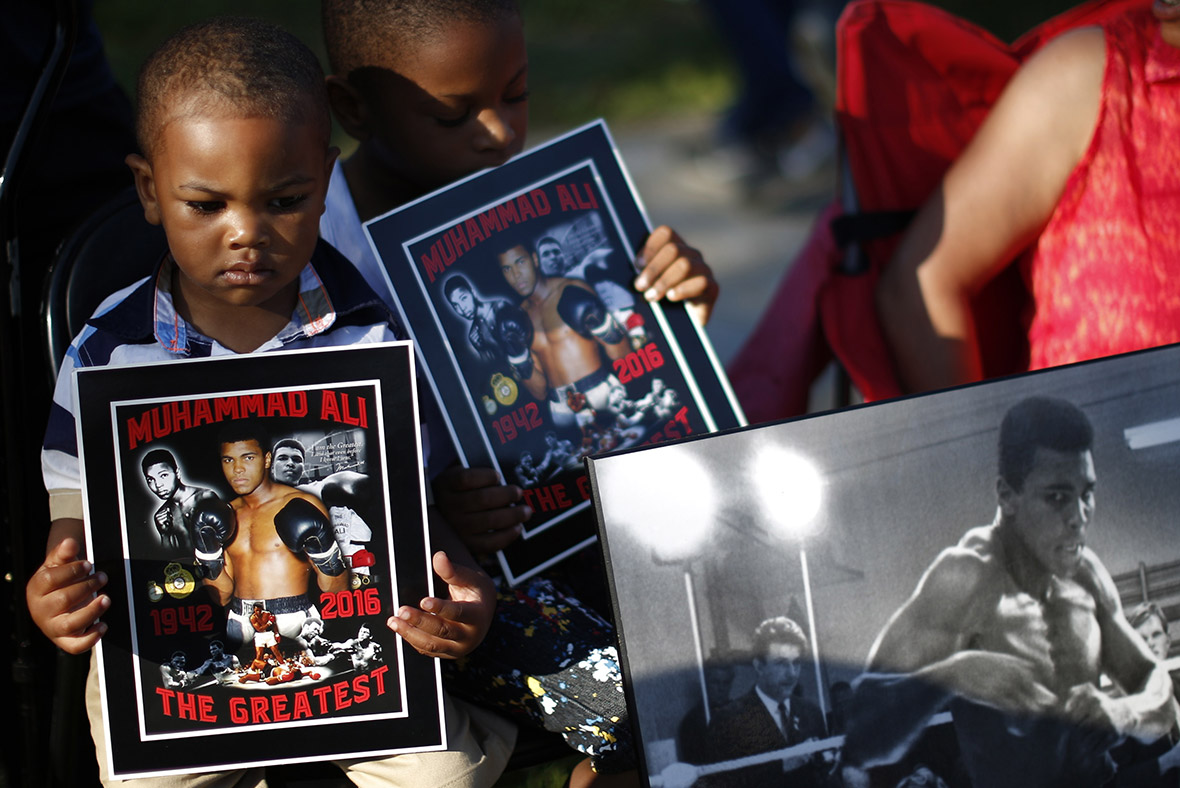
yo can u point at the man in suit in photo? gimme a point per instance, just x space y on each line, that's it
770 716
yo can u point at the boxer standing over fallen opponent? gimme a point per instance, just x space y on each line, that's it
1013 627
266 636
557 357
283 538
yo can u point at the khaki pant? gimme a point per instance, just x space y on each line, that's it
479 746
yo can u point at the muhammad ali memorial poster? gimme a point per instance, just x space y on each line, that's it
843 566
259 517
516 285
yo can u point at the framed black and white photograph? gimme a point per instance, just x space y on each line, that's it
966 588
516 285
258 518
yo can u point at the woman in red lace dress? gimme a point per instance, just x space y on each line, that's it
1079 161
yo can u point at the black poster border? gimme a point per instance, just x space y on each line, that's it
413 719
393 238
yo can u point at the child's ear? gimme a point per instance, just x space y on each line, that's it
145 186
349 107
329 164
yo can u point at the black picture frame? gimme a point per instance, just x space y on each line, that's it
354 409
574 192
892 485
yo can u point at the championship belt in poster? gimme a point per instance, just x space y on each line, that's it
516 285
259 517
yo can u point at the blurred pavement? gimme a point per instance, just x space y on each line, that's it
748 245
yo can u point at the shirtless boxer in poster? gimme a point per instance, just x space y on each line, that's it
267 545
1013 627
266 634
173 519
221 664
343 492
557 352
593 270
481 333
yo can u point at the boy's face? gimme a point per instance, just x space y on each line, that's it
451 105
240 200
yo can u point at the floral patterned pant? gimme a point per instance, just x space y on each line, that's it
551 661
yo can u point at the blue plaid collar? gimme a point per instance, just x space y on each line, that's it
314 314
332 294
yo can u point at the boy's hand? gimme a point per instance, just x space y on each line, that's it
479 508
670 268
449 628
63 600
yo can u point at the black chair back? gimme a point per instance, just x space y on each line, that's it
114 247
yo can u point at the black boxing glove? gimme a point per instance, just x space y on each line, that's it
585 313
304 529
345 488
596 274
214 526
514 329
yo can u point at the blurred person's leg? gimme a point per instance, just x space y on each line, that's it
773 94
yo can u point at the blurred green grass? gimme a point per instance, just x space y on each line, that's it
620 60
625 60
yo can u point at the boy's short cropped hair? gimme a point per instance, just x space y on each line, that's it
359 33
249 65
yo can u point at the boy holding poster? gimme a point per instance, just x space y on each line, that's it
435 90
233 124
